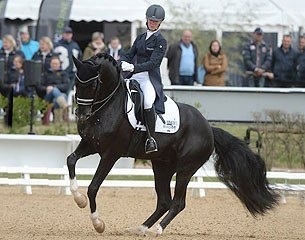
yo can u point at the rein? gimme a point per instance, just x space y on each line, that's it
91 101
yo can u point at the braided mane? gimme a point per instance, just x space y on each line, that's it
98 59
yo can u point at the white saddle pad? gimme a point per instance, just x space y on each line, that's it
171 117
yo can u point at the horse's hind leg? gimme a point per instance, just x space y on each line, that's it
163 172
178 202
82 150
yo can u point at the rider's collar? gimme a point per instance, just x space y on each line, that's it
150 33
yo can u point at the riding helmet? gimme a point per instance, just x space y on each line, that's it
155 12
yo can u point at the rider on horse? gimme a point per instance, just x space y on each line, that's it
143 62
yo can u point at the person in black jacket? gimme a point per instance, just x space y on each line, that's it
283 65
16 79
115 48
54 86
300 77
9 51
66 48
143 61
257 59
7 54
44 53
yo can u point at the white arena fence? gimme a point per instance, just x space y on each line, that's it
31 160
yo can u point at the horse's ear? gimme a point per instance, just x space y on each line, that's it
77 63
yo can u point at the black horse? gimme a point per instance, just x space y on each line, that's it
104 129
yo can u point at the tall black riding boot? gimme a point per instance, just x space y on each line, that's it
150 123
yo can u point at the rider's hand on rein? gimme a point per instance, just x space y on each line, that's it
127 67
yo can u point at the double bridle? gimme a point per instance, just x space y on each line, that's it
92 101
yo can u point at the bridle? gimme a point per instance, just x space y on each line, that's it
92 101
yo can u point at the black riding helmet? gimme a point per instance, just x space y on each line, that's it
155 12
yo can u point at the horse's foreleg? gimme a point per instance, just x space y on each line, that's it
79 198
102 171
82 150
163 174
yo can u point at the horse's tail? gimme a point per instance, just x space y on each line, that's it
244 172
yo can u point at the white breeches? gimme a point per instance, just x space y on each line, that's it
146 86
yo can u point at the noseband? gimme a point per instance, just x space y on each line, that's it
92 101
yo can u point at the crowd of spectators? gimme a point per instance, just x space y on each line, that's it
57 67
278 67
264 66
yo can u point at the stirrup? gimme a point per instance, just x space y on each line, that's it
150 145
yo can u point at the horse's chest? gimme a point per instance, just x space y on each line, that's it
94 134
88 132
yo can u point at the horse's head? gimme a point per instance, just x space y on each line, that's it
97 79
86 84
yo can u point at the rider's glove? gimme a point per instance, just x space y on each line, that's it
127 67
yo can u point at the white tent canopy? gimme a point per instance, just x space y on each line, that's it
268 12
295 9
234 14
22 9
105 10
83 10
276 15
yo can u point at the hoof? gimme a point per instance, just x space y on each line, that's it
155 232
81 200
100 226
139 231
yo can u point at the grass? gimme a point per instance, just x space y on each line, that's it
39 129
236 129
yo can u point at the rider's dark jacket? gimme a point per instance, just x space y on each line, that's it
147 55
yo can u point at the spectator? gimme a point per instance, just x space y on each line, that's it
8 52
182 60
44 53
54 85
283 66
0 43
257 59
28 46
215 63
301 44
142 63
300 77
66 48
115 48
96 45
16 79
